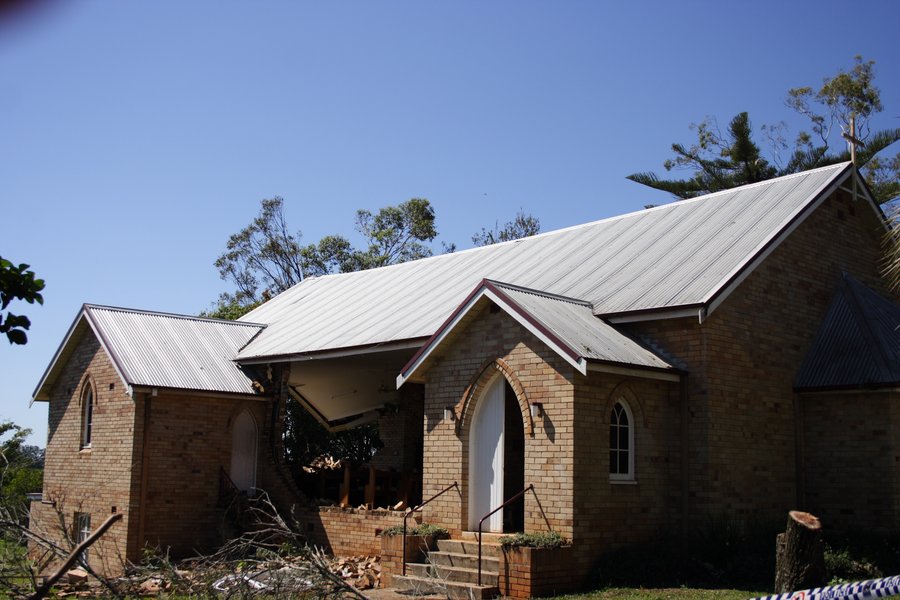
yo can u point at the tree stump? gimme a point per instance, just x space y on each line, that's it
799 554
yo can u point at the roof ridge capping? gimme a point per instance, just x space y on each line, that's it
747 186
156 313
536 292
667 206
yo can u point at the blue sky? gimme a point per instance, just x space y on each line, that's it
135 137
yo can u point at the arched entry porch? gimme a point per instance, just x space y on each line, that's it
496 459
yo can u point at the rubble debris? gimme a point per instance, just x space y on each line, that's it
362 572
76 577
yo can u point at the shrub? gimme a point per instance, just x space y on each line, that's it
721 551
423 529
860 555
548 539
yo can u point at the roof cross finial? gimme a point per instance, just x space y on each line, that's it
852 140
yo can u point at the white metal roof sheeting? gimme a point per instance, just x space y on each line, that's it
173 351
677 255
574 323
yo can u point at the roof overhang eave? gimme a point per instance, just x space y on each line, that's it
655 314
724 288
42 394
326 353
156 389
841 389
487 289
670 374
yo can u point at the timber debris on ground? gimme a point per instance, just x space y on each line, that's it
275 576
269 557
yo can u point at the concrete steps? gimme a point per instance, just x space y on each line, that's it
452 570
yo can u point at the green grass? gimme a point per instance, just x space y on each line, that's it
663 594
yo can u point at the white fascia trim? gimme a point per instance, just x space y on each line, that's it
634 372
770 244
654 316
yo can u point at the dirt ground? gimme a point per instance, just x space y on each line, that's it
391 594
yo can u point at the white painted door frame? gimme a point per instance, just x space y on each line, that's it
486 438
244 438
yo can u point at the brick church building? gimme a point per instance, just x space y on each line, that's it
735 355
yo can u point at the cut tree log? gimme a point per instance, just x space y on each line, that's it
799 554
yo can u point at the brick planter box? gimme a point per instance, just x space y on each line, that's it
527 572
393 549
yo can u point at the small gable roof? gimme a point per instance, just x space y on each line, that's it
857 345
152 349
567 325
684 256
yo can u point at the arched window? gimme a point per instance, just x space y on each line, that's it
621 442
87 415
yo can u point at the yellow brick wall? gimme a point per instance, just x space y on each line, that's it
95 480
851 459
188 441
349 531
609 513
544 377
743 359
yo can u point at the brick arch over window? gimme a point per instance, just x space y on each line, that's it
465 408
623 411
623 390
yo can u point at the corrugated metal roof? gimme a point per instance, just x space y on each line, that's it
162 350
567 325
858 343
677 255
574 323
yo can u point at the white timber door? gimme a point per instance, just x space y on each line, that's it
486 458
243 452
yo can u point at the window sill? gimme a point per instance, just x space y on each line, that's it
623 481
84 450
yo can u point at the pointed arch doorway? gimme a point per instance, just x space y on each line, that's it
497 459
243 451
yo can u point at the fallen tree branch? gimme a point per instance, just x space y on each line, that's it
73 556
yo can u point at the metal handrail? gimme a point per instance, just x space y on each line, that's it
481 522
416 509
228 491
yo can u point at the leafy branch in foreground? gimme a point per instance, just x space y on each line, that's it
17 282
